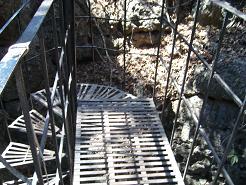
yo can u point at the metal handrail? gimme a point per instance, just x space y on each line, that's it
17 12
227 6
21 47
11 64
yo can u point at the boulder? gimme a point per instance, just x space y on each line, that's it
210 14
232 71
140 39
140 32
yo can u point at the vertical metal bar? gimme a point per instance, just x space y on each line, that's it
71 61
60 73
92 37
5 120
185 71
74 80
30 132
124 45
67 63
64 26
15 172
207 91
28 89
229 144
158 48
74 72
171 59
48 97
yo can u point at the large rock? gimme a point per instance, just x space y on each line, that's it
210 14
218 121
140 32
140 39
233 72
135 10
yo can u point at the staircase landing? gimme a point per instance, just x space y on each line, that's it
122 142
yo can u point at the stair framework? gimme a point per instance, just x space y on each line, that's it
49 179
119 140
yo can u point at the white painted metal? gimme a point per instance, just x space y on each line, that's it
38 124
17 154
85 92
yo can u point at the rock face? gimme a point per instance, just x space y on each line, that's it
11 34
233 72
140 32
218 120
136 10
210 14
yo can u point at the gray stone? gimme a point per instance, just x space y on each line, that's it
140 32
200 167
140 39
210 14
185 133
232 71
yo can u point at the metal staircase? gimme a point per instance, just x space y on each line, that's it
72 133
119 139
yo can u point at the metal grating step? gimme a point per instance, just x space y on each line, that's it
84 92
87 92
99 92
122 142
17 154
49 179
37 121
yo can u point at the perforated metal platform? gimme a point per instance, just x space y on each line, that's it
122 142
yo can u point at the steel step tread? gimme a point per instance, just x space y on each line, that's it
38 122
116 145
18 154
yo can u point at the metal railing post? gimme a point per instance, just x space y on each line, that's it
69 62
185 71
171 59
49 102
158 48
124 47
32 139
207 92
